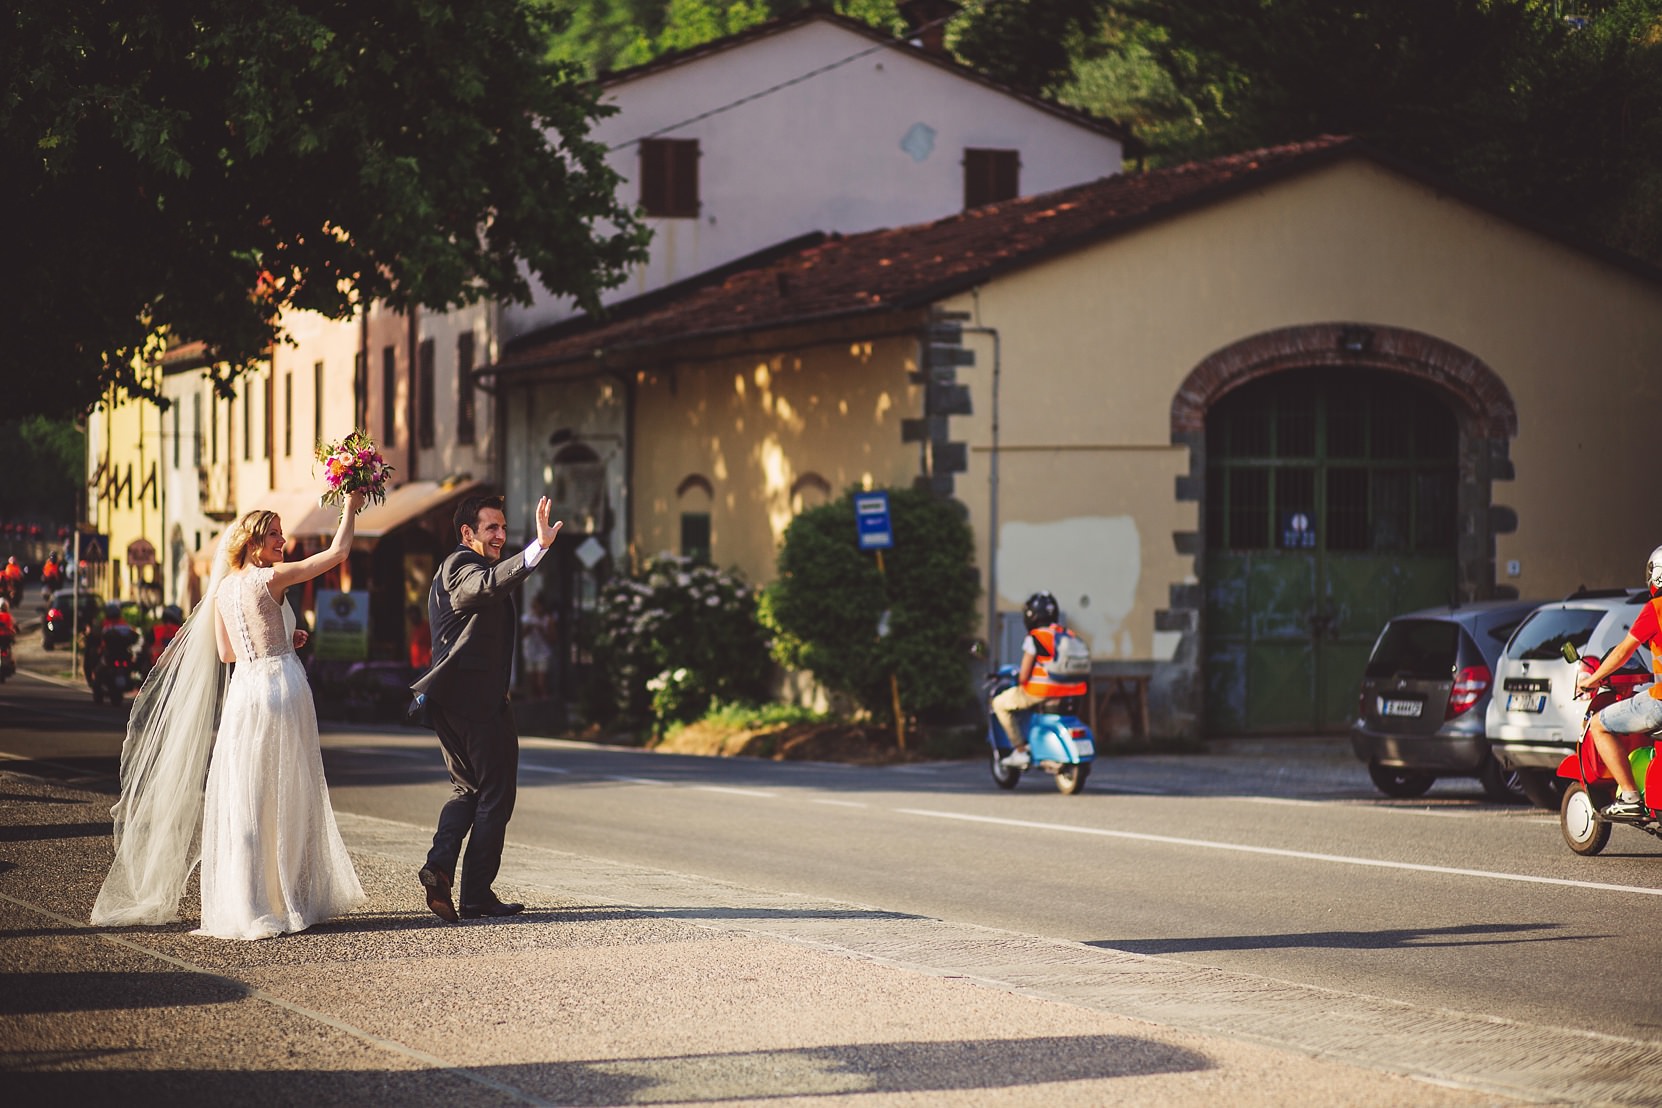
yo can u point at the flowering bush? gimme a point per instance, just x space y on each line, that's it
679 637
353 464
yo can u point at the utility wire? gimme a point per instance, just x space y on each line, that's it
797 80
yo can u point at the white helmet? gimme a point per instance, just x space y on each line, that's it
1653 571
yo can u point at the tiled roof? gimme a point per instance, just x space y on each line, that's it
906 268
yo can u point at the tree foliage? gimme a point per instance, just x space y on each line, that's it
197 169
43 461
827 603
1561 118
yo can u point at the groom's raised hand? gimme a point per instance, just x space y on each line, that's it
545 530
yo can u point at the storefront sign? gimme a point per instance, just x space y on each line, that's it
342 632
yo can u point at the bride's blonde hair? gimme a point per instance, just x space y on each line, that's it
247 533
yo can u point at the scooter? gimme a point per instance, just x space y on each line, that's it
8 664
1057 740
112 674
1586 829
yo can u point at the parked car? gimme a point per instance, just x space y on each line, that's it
1424 698
55 630
1534 720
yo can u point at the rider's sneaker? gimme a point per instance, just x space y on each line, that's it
1018 759
1623 809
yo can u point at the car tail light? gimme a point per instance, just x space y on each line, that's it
1469 686
53 616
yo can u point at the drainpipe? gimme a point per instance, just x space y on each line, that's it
994 661
413 320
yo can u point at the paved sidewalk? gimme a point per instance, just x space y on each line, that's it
618 986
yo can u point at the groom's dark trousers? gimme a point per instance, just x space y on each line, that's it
475 622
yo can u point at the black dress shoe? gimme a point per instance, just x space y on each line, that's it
494 908
438 893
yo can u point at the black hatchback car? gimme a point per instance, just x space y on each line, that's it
1425 694
54 624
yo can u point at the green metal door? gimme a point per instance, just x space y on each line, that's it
1329 509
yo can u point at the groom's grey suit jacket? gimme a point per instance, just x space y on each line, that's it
474 622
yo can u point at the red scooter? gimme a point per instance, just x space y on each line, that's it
1592 787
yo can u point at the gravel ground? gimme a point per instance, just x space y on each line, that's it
582 1001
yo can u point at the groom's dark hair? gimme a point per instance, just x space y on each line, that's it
467 512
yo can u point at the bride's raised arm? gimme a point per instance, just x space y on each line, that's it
292 573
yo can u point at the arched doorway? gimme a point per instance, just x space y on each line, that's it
1330 507
1231 673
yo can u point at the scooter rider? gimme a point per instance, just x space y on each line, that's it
1637 714
1033 682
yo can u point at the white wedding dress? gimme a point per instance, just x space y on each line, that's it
272 858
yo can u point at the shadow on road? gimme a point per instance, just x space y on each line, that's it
1466 934
853 1069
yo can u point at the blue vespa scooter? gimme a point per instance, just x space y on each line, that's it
1057 740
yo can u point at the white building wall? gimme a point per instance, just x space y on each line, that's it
876 142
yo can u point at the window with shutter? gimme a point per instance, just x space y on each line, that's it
990 176
669 177
464 387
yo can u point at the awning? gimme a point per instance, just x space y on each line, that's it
408 502
293 508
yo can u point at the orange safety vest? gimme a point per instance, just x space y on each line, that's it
1655 653
1042 684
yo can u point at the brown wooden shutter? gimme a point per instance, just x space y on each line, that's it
669 177
990 176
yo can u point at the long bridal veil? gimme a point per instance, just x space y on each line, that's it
164 768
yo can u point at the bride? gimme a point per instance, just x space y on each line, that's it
258 814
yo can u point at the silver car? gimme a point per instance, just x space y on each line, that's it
1535 720
1424 695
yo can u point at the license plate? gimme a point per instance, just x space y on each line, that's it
1085 747
1526 702
1408 708
120 681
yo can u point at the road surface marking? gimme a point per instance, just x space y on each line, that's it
633 780
1278 852
839 803
734 791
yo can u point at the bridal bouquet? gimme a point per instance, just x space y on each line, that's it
353 464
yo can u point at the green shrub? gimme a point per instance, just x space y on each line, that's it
679 637
825 608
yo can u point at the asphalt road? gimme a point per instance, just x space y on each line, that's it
1274 859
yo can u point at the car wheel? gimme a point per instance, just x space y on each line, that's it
1578 819
1543 788
1501 785
46 642
1401 783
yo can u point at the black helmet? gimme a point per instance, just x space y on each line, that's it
112 610
173 614
1041 610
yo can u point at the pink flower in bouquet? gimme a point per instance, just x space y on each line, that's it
353 464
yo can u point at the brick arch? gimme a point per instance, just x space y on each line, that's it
1484 410
1479 396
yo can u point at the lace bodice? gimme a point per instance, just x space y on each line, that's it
259 626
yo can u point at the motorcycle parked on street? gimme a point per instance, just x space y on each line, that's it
111 674
1058 741
1585 828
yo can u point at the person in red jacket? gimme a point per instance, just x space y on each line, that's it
1034 681
1638 714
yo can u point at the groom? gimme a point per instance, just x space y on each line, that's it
471 611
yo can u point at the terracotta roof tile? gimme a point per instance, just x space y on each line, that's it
903 268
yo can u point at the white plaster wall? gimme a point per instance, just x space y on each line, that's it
823 155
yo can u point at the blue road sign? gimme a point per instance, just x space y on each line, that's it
871 516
